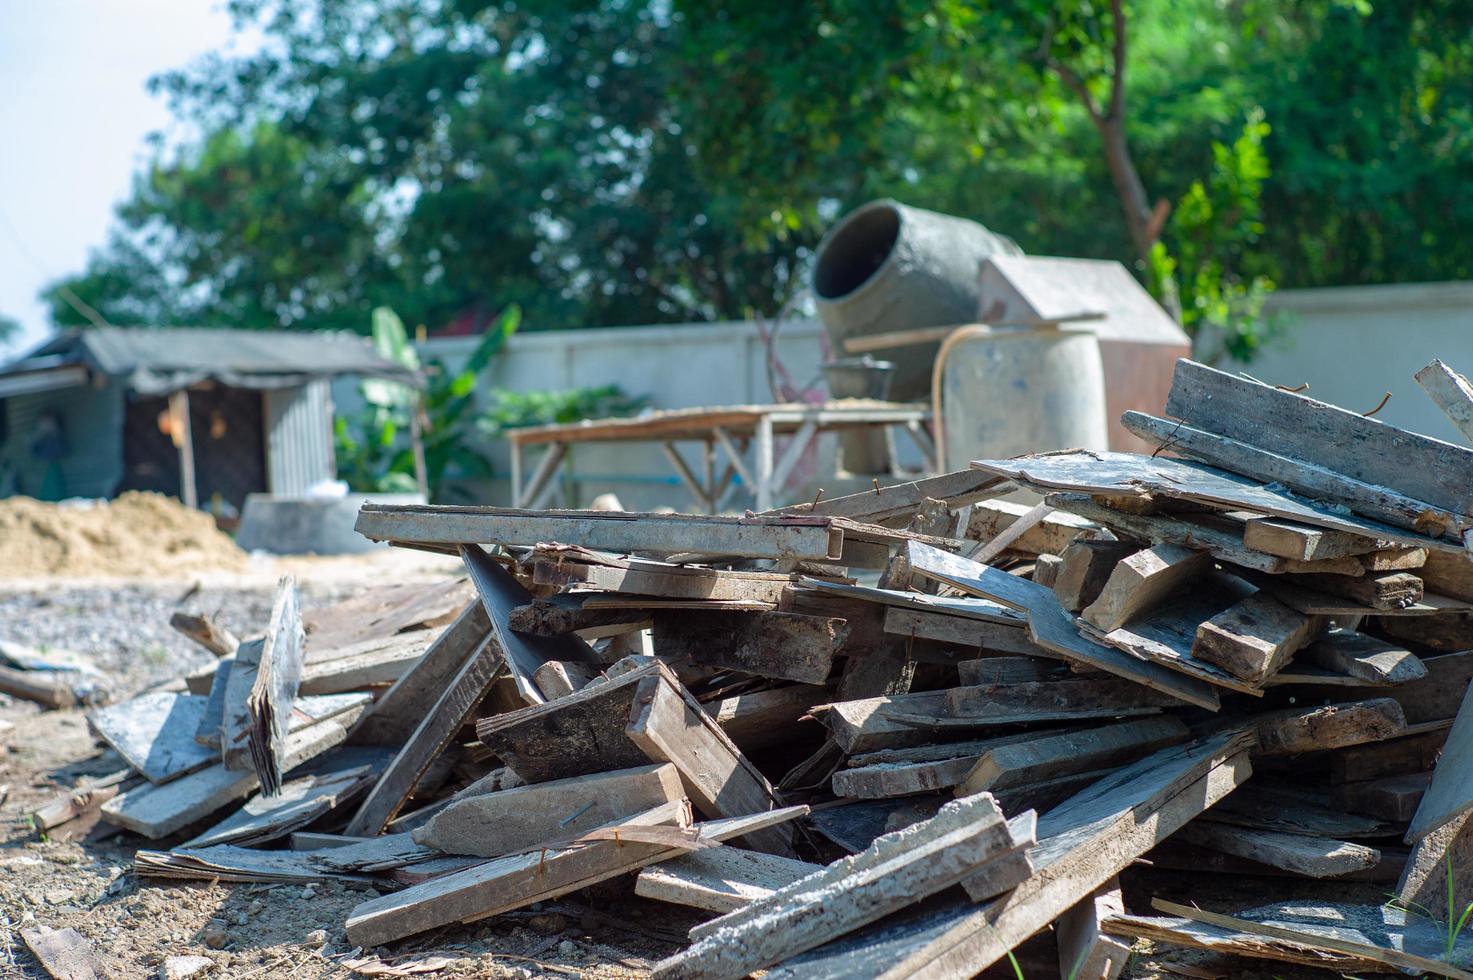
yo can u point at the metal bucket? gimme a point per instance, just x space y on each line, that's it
886 266
1009 392
862 451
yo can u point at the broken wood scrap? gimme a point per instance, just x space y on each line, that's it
1085 950
1082 844
1365 657
278 674
1416 751
558 678
899 502
997 671
1313 857
765 718
51 689
1268 806
777 645
1176 931
1079 697
943 627
502 884
384 611
1085 567
1435 697
1142 580
203 629
1051 627
63 953
1448 573
1391 798
380 660
521 654
776 536
87 798
1254 637
569 612
719 879
155 733
300 801
512 820
1331 726
648 578
1384 591
207 732
1304 542
1048 755
1051 535
869 724
1440 866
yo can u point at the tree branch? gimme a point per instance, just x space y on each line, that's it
1117 85
1076 85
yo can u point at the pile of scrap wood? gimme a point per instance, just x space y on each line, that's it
891 734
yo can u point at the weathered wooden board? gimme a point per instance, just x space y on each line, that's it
300 802
1082 844
777 536
1302 428
1084 950
1254 637
1367 658
1132 475
1172 931
1452 393
396 714
1289 810
235 724
1387 590
646 578
274 688
1330 726
719 879
868 724
63 953
380 660
1441 862
967 607
1143 580
155 733
1049 625
207 732
980 634
1304 542
500 593
996 671
1085 567
1435 697
383 611
203 630
778 645
1448 573
1050 536
888 504
1078 697
1313 857
1417 751
1048 755
567 612
1391 798
766 718
1450 794
453 707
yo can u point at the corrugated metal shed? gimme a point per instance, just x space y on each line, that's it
299 449
91 429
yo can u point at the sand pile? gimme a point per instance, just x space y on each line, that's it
138 534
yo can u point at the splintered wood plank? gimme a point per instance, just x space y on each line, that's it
274 689
1450 794
1048 755
500 593
1269 806
512 820
63 953
511 882
1367 658
719 879
206 632
964 631
1299 427
1050 626
1170 931
781 536
668 725
868 724
1085 951
668 581
1083 843
1085 567
155 733
399 711
1332 726
569 611
454 707
1313 857
1253 638
300 802
1452 393
816 916
1079 697
1387 590
888 504
1140 581
1129 474
779 645
1304 542
1051 535
235 725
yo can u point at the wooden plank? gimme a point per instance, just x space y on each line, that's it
1392 798
1313 857
1409 753
1303 542
815 915
207 732
671 581
1331 726
1085 567
568 612
1435 697
511 882
1388 590
777 645
1448 573
1143 580
513 820
1050 536
63 953
964 631
1450 794
376 661
453 708
1079 697
1049 755
868 724
1367 658
500 593
1082 844
558 678
1131 475
396 714
300 802
1084 950
274 689
719 879
203 630
1286 809
887 504
157 811
1298 427
996 671
780 536
1439 872
155 732
668 725
1050 626
1172 931
235 725
383 611
765 718
1452 393
1254 637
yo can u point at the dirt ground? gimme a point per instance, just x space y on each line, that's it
290 931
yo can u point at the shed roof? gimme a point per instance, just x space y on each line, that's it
157 360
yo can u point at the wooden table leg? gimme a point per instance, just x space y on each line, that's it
516 474
762 485
540 483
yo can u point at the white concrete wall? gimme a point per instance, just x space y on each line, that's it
1353 344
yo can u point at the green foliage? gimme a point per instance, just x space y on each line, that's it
519 409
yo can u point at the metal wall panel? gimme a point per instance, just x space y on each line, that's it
299 449
92 427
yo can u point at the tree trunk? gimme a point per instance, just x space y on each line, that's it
1128 185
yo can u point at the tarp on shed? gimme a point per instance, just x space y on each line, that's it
159 360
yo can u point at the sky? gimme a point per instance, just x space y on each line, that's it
74 115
